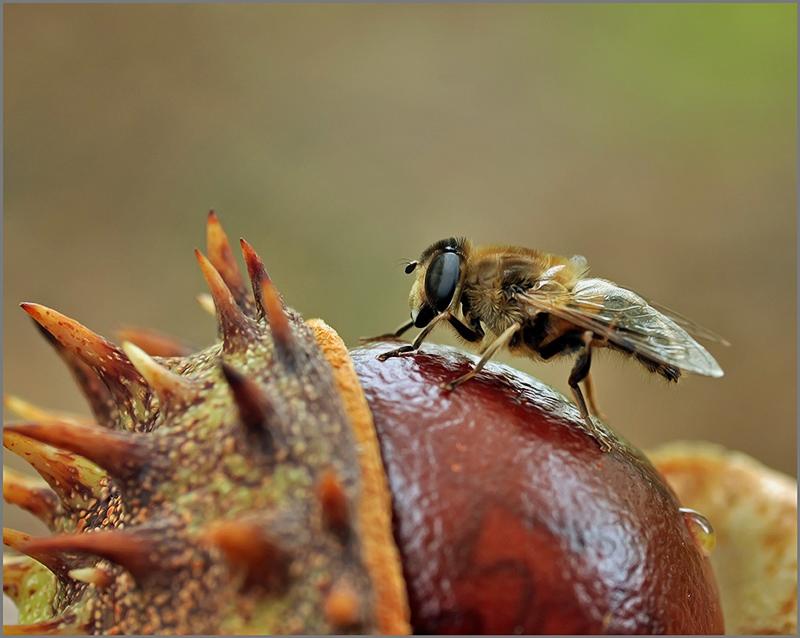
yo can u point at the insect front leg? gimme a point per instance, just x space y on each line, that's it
579 372
498 343
414 344
389 335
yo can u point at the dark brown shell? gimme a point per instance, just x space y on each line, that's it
510 518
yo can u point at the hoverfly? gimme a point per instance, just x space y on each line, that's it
542 305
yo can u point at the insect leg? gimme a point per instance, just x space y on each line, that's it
498 343
389 335
579 372
589 386
414 344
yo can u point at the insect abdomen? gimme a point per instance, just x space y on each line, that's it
670 373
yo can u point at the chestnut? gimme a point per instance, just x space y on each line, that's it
510 518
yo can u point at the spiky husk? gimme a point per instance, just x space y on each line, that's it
223 491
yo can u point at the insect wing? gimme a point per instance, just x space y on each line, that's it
689 325
627 320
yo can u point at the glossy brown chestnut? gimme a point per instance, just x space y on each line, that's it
510 518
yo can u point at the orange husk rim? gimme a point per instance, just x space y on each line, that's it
374 510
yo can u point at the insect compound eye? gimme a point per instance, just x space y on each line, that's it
441 279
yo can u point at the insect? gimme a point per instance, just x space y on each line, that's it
542 305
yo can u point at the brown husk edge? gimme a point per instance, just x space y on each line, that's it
381 555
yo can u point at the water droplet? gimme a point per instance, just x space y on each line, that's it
701 529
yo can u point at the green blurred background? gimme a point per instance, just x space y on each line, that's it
657 140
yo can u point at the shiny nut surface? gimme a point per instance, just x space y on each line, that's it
509 517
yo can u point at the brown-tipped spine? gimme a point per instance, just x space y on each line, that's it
73 478
153 342
122 454
257 273
278 320
52 558
269 302
235 326
170 389
107 360
134 551
249 550
30 494
30 412
221 256
257 414
333 503
101 401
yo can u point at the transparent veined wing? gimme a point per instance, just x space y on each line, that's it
689 325
624 318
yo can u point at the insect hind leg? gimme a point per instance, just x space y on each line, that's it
588 385
580 371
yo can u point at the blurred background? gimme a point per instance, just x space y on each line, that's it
657 140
